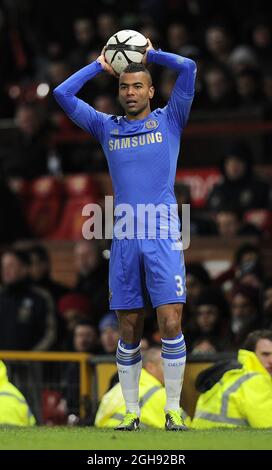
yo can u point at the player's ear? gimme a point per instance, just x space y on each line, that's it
151 92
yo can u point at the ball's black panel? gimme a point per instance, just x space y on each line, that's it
125 47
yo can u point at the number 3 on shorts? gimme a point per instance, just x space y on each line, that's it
180 290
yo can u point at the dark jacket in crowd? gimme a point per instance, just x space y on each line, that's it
244 193
25 157
95 286
26 318
13 225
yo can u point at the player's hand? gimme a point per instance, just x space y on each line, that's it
105 65
149 47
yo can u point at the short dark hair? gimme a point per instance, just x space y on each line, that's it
134 67
21 255
89 323
41 253
244 249
253 338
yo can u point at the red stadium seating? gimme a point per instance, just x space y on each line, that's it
44 206
261 218
80 190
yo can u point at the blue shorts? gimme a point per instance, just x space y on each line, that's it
140 265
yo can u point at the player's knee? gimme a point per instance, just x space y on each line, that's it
170 328
129 332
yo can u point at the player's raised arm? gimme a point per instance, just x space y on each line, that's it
80 112
183 92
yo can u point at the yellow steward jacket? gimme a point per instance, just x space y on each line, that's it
243 397
152 402
14 409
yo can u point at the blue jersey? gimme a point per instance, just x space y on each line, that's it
142 154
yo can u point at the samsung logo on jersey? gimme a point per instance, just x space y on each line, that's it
135 141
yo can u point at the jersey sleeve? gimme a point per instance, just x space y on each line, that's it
81 113
179 104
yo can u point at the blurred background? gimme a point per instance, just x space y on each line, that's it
49 169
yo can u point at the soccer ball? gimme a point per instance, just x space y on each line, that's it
125 47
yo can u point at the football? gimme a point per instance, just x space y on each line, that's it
125 47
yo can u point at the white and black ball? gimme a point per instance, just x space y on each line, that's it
125 47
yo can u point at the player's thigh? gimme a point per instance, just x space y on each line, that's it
165 272
125 277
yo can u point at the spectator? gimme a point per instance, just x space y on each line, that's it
27 320
247 254
249 93
229 223
150 31
13 225
85 340
245 314
210 318
109 335
85 38
105 104
241 59
199 225
92 275
262 43
40 272
74 307
197 280
85 337
219 89
204 345
26 154
218 43
107 25
267 304
177 37
168 78
58 70
241 395
14 410
250 274
239 188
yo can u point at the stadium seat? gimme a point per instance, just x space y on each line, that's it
44 207
261 218
80 190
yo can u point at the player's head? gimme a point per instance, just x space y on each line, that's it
260 342
135 89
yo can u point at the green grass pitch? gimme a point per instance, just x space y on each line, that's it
92 439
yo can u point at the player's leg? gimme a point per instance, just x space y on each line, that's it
127 300
174 358
129 361
165 276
